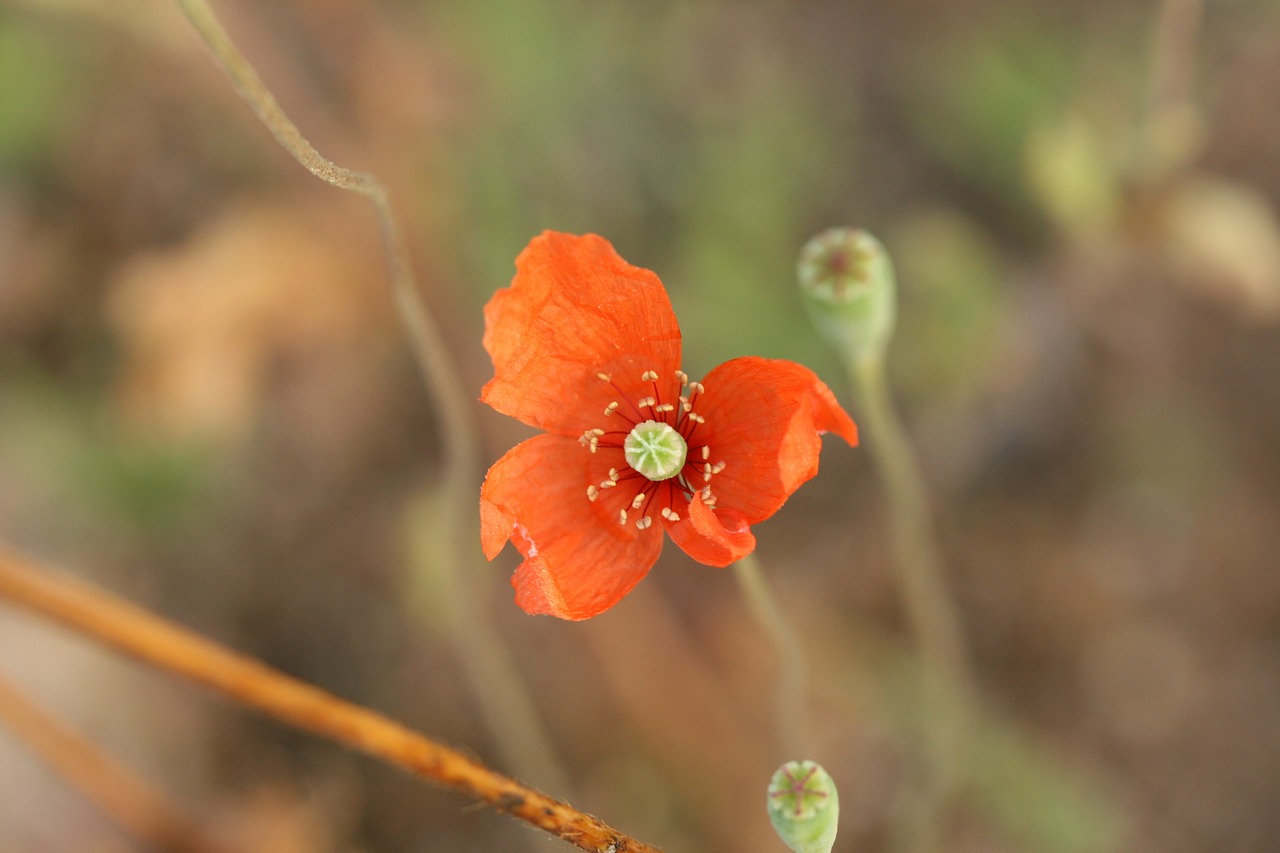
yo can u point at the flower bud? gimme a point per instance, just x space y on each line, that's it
804 807
848 286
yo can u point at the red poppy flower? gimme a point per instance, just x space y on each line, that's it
586 347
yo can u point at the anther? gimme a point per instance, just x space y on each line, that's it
593 492
645 401
670 514
682 377
604 377
622 516
707 471
637 501
717 468
643 523
697 387
697 418
664 407
649 376
611 408
706 452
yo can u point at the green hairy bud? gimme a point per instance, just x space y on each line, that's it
804 807
848 286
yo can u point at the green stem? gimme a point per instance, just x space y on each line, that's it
791 698
934 623
485 658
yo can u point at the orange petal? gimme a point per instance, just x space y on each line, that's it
574 310
715 538
763 420
575 565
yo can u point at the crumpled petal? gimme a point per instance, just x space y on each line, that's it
764 418
575 566
575 309
712 537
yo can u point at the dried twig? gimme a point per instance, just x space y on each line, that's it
151 639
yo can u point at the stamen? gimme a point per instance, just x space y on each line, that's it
649 376
707 471
669 514
664 407
622 516
717 468
611 408
644 402
697 418
706 452
604 377
644 523
697 387
593 492
637 501
682 377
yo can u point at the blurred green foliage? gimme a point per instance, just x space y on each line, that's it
38 96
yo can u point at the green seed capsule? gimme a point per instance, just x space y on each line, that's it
804 807
848 286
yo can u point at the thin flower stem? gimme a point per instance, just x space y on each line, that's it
505 704
793 665
948 694
432 356
141 634
130 803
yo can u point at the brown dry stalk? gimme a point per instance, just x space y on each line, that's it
149 638
133 805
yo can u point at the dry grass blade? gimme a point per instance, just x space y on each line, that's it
133 805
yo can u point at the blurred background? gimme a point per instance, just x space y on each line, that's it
207 406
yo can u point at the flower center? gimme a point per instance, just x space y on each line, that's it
656 450
663 441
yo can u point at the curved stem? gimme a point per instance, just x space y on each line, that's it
793 665
428 348
136 632
486 661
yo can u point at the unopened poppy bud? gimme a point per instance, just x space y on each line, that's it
848 286
803 807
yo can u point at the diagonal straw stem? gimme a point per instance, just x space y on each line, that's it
137 808
138 633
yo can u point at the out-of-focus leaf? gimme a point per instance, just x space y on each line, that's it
1035 799
1071 174
1227 237
204 325
35 96
953 304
